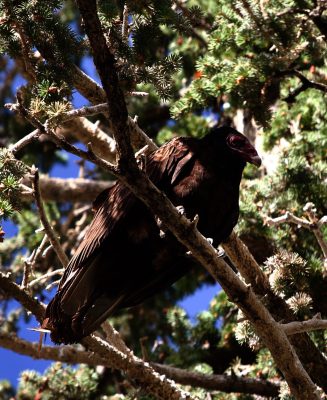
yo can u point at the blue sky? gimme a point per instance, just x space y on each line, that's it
11 363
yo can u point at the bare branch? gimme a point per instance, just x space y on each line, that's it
314 362
46 276
11 289
305 84
305 326
223 383
15 148
71 189
313 224
72 355
46 224
88 132
288 217
124 29
113 337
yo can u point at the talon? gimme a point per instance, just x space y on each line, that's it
221 252
210 240
180 209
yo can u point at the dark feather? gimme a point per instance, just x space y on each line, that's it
123 259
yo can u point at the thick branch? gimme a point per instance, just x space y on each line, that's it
152 381
105 63
72 355
314 362
69 190
88 132
222 383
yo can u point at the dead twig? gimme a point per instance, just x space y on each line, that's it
53 239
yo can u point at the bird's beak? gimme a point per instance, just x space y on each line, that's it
256 160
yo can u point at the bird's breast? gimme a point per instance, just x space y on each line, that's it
214 200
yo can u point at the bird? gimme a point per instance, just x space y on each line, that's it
125 257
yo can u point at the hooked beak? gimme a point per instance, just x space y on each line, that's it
255 159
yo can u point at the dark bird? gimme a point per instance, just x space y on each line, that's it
124 257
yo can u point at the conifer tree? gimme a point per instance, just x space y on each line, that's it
181 67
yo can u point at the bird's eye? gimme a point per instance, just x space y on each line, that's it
236 141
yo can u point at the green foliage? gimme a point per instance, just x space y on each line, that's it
11 171
6 390
248 53
58 383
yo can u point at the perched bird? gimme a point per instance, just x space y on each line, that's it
124 257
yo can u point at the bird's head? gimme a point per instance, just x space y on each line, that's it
238 146
241 146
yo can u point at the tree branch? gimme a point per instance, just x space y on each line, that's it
69 190
314 225
53 239
15 148
71 355
304 326
305 84
314 362
11 289
224 383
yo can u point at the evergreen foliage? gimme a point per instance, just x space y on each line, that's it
202 62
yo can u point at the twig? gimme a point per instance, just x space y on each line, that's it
13 290
15 148
137 94
79 112
27 270
124 29
52 285
29 263
26 49
314 225
305 326
46 276
305 84
47 226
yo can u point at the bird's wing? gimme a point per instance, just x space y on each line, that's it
78 295
165 167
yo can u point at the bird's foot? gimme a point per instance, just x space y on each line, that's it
210 240
181 210
221 252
